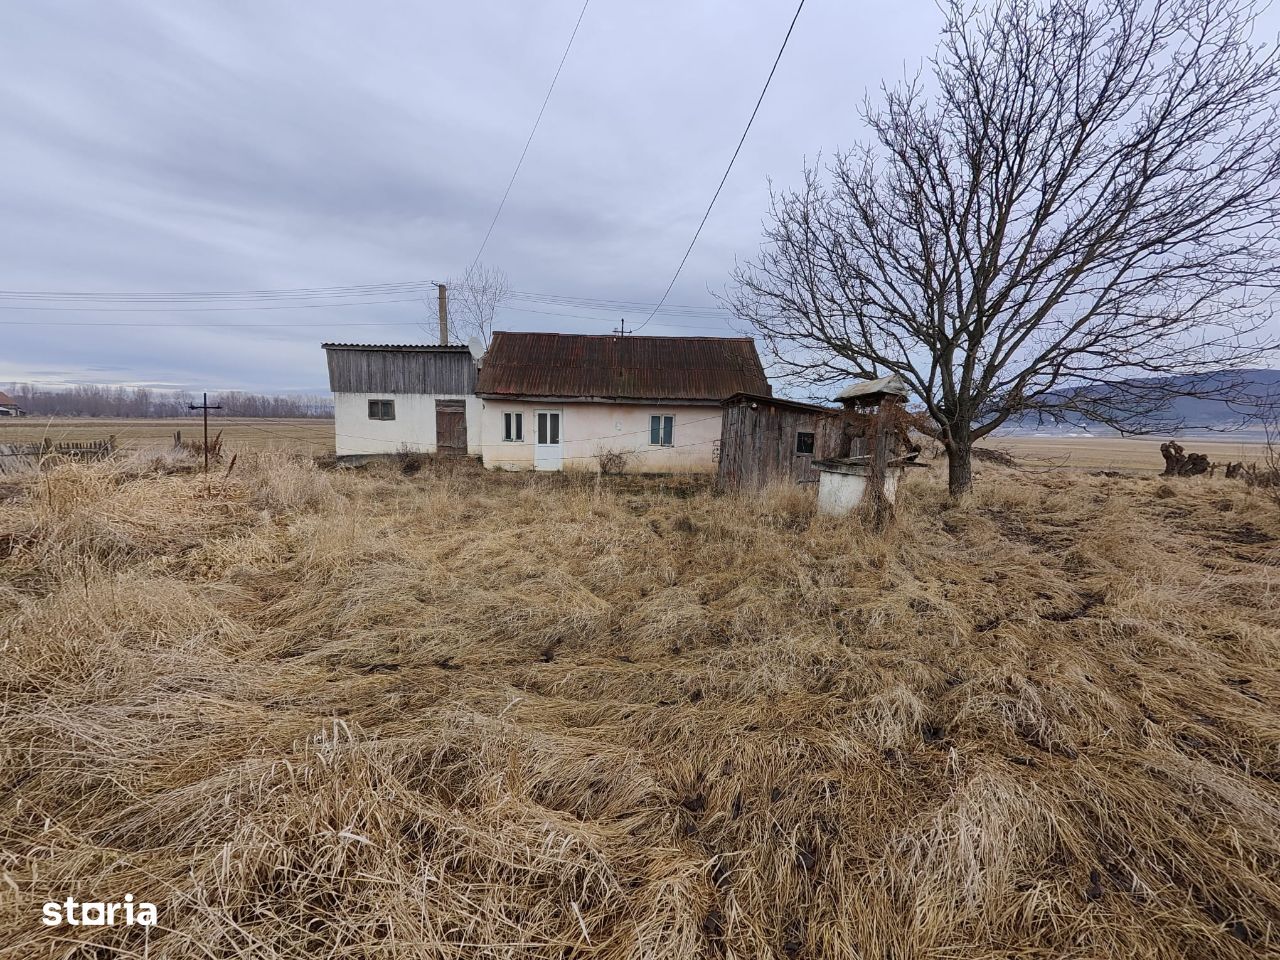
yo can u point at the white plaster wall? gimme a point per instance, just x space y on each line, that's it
587 429
414 425
498 454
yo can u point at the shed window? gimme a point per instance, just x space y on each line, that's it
661 430
513 427
804 442
382 409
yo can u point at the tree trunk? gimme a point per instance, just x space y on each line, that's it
959 466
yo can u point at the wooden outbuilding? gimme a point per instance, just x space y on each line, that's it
766 440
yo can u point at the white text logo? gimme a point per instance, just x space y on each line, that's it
93 913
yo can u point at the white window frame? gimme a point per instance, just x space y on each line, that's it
513 426
666 428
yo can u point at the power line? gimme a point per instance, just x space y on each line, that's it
320 293
736 151
284 300
545 100
182 325
290 306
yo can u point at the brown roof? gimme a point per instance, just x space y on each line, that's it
6 400
569 365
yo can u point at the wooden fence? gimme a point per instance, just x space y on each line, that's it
24 457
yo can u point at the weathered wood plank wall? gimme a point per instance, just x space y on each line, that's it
452 373
758 443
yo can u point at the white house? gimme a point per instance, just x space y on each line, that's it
554 401
392 397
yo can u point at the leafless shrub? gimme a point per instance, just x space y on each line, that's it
613 462
197 447
410 460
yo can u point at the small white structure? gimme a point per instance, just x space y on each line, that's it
842 484
393 397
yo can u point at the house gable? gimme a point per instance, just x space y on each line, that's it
399 369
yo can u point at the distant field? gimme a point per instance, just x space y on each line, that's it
301 435
1118 453
316 437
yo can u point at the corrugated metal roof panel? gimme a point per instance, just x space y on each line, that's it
893 384
620 368
410 347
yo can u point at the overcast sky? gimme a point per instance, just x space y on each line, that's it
227 145
266 145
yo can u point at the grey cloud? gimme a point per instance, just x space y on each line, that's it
253 145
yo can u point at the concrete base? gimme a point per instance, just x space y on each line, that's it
842 487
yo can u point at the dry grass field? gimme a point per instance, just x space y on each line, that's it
1129 454
360 714
308 436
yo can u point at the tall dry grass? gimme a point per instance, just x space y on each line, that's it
458 715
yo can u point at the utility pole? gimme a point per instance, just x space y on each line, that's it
204 405
622 332
442 309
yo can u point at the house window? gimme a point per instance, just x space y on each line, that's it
513 427
382 409
804 442
661 430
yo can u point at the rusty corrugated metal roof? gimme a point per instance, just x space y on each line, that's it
567 365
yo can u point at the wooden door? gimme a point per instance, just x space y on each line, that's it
451 428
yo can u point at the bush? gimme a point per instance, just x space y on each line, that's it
410 461
613 461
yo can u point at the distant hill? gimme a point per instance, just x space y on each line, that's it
1258 389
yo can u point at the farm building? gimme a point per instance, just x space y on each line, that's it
392 397
9 407
766 439
561 401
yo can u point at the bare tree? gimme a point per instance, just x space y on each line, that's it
1079 217
473 300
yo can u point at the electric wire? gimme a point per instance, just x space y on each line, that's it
738 149
519 163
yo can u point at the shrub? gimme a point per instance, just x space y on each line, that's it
410 461
613 461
